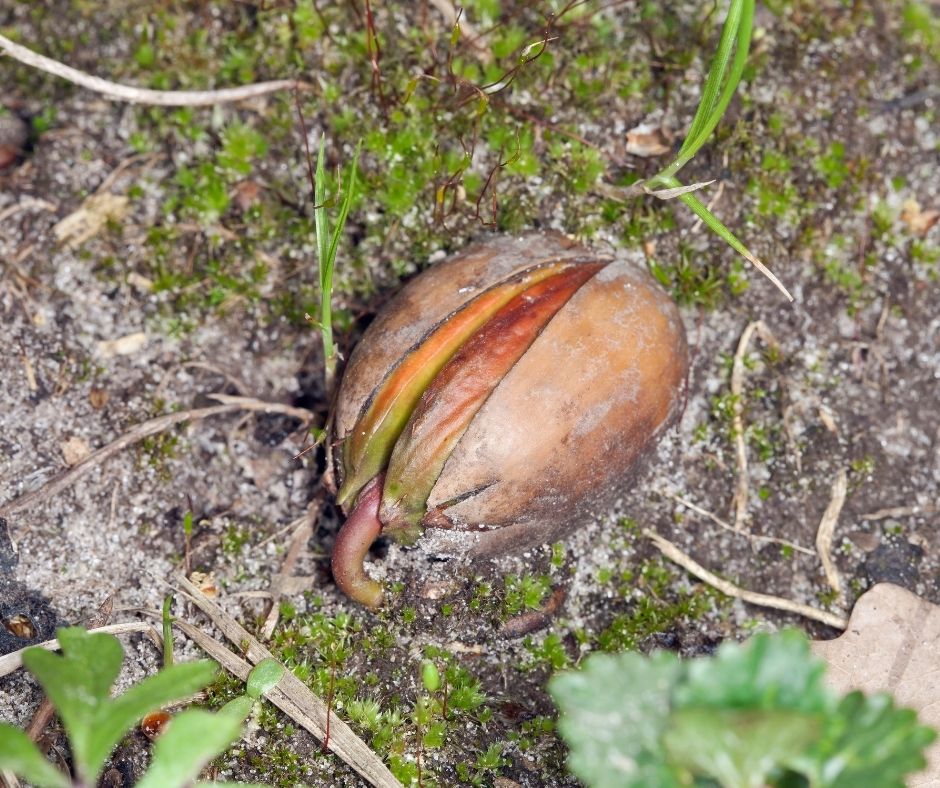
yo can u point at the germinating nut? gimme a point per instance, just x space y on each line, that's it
501 400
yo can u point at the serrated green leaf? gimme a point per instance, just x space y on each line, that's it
867 743
170 684
740 749
190 741
264 677
79 681
768 672
231 785
238 707
18 754
613 711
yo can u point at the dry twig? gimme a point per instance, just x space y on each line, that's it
827 527
728 527
13 661
152 427
162 98
673 553
737 418
898 511
280 581
294 697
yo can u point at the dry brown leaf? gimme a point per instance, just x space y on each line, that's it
892 644
205 582
87 221
122 346
74 450
647 140
917 220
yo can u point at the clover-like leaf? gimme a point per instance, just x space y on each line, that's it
868 743
613 711
19 755
191 740
769 672
79 681
738 748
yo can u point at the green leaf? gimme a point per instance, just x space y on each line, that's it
191 740
239 707
18 754
321 220
264 677
712 222
337 233
740 749
613 711
768 672
430 676
79 681
170 684
867 743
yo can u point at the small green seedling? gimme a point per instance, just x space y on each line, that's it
79 682
327 244
722 81
755 714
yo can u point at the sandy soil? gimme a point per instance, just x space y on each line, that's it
852 386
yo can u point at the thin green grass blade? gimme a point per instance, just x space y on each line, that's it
742 48
343 212
701 210
321 221
717 71
718 90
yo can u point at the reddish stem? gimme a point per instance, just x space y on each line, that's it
360 530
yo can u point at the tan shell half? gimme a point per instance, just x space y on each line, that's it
557 439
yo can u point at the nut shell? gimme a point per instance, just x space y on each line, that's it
429 298
557 439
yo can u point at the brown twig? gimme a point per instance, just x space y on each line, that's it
673 553
9 663
728 527
737 418
162 98
827 527
898 511
152 427
291 693
302 533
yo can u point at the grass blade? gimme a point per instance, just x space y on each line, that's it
321 220
743 45
718 90
700 210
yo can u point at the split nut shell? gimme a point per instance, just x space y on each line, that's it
553 439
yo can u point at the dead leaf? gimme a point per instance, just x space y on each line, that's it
917 220
246 194
87 221
892 644
647 140
122 346
140 282
98 398
205 582
74 450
